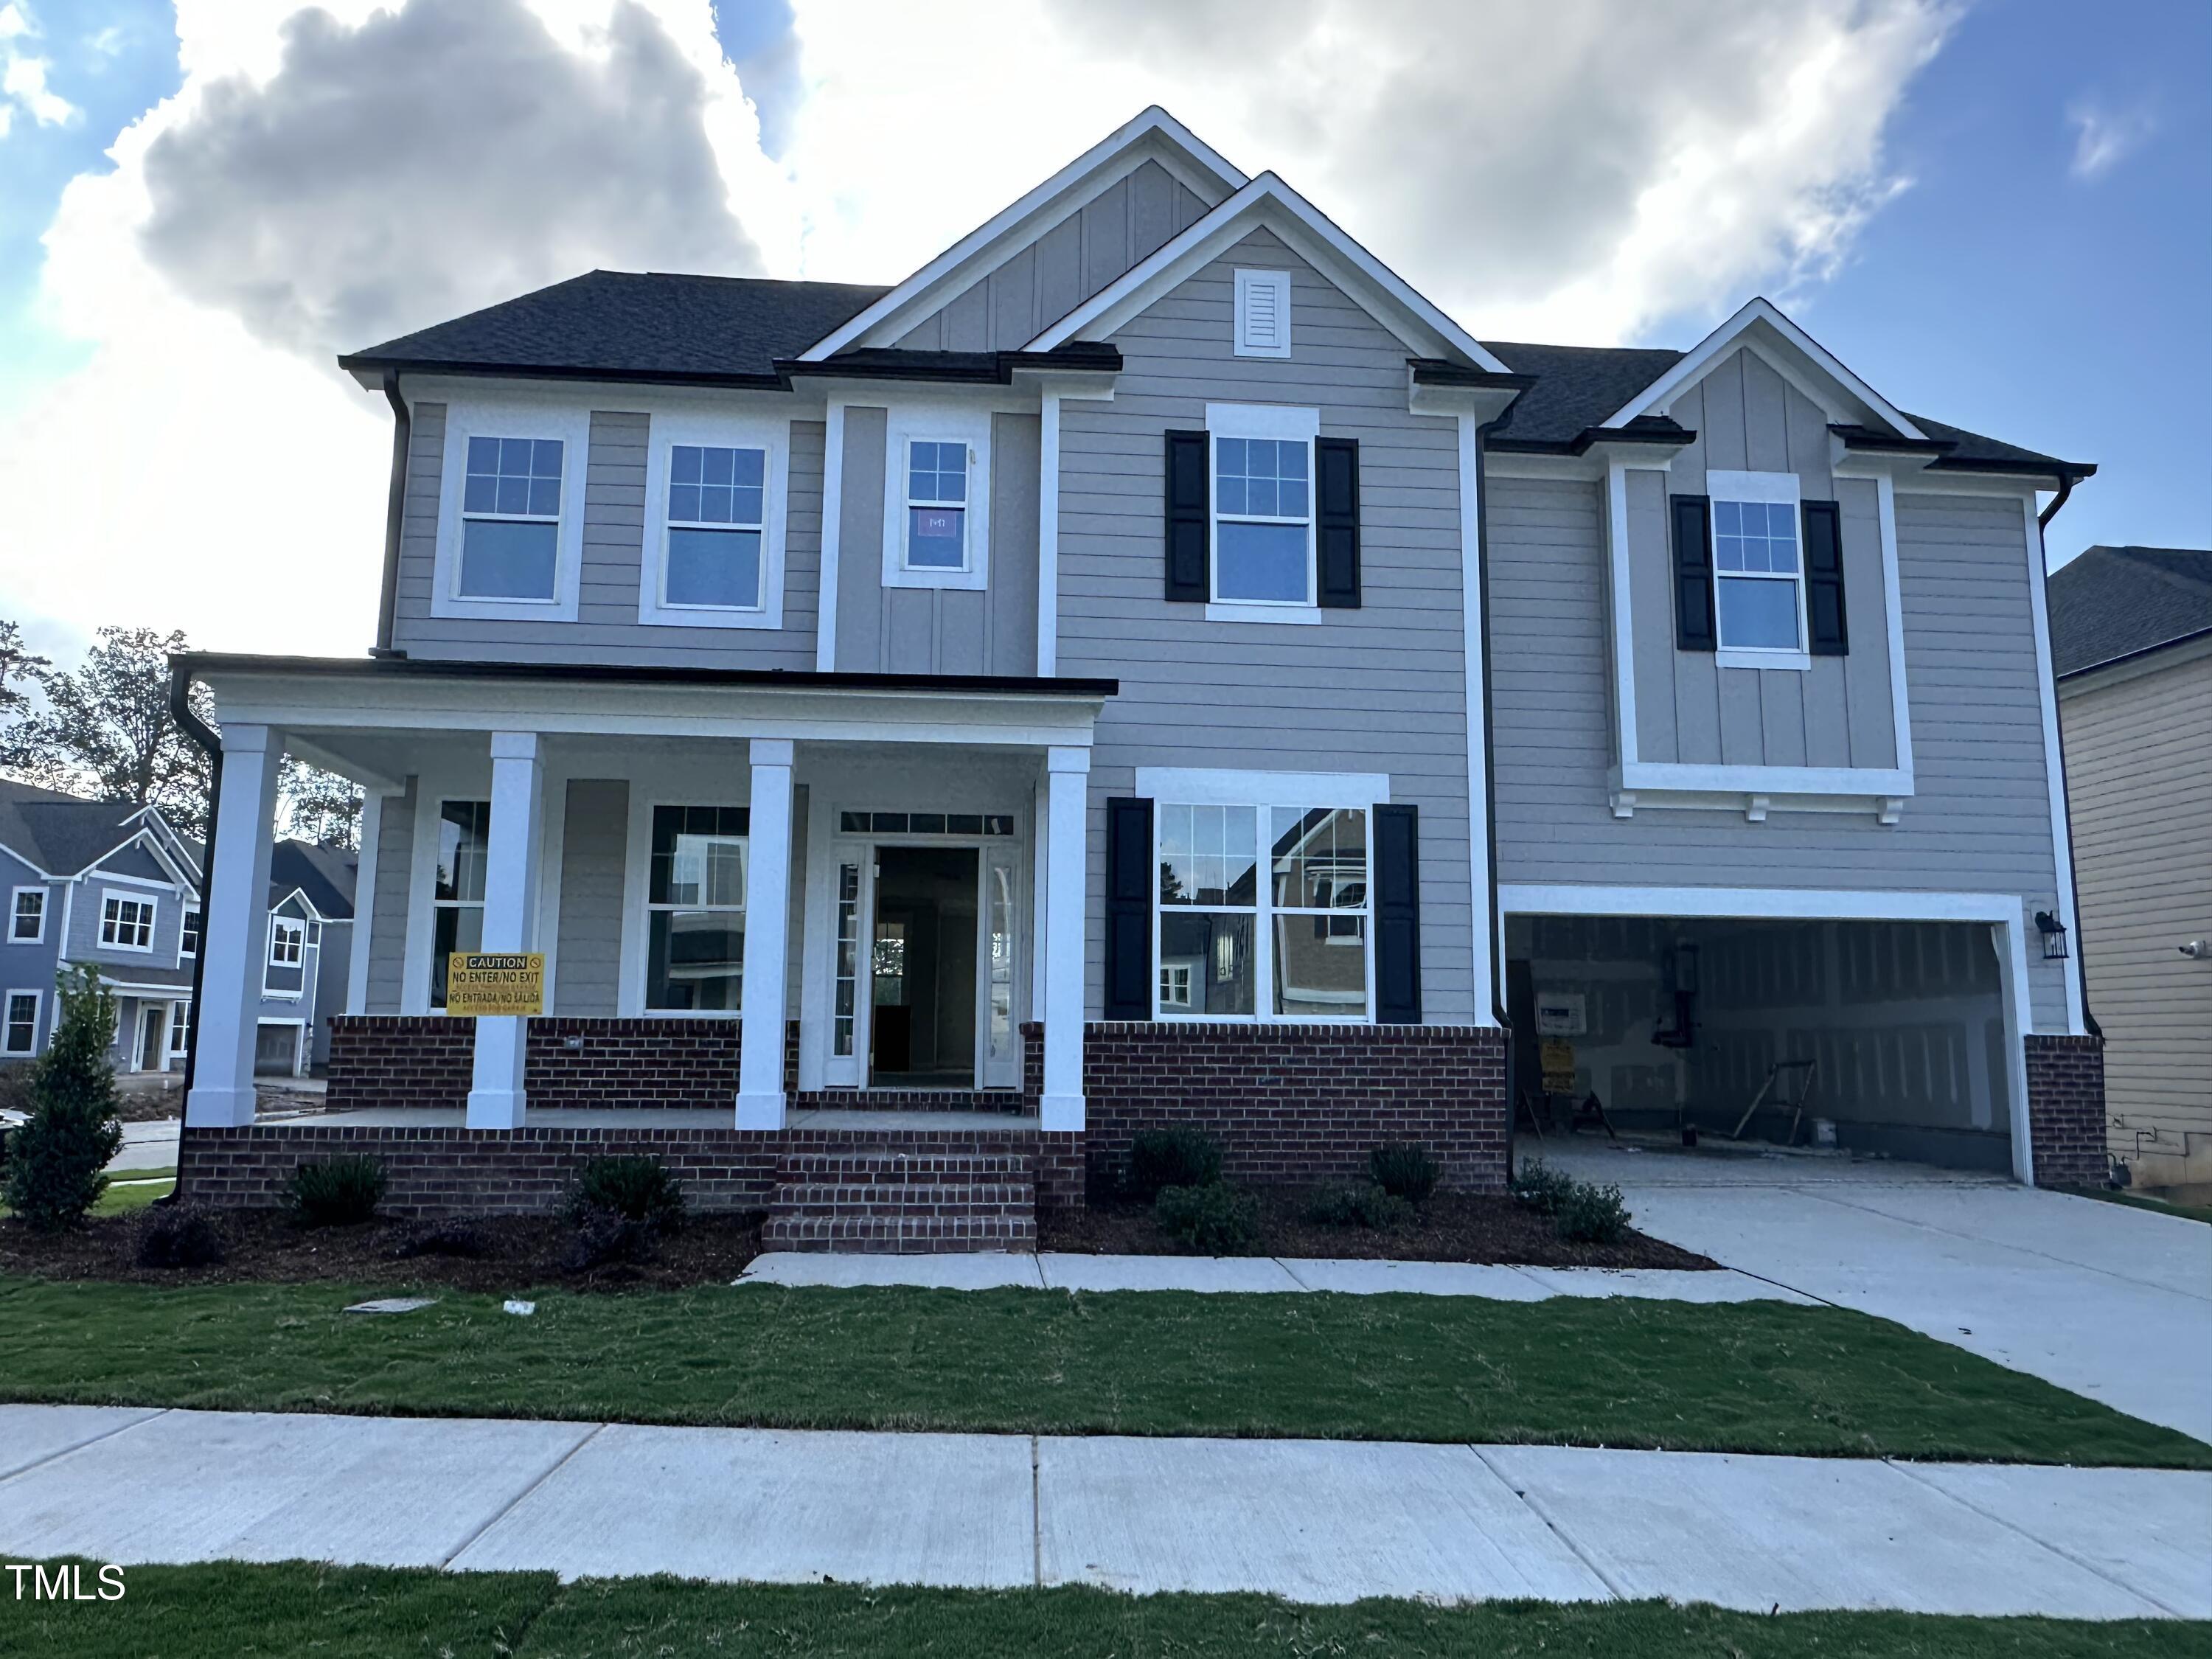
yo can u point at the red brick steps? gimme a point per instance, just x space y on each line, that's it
904 1192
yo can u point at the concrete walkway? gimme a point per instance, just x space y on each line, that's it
1053 1270
2111 1302
1315 1520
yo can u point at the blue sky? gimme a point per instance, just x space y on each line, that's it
2042 274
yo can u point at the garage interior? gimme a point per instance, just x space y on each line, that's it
1678 1024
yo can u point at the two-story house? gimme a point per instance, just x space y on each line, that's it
1154 665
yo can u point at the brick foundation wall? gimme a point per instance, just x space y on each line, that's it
2066 1110
1292 1104
424 1060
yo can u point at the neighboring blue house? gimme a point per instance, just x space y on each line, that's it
115 885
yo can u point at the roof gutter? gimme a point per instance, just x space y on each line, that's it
2065 785
395 514
1495 922
205 737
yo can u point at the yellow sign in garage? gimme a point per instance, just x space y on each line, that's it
478 983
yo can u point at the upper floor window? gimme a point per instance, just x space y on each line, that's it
1759 570
287 942
936 506
717 512
188 937
1263 314
125 923
1263 520
27 919
511 520
510 511
457 899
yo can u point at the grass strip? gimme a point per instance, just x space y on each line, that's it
1758 1376
2145 1201
226 1609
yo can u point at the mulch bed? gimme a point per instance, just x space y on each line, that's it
1450 1227
264 1246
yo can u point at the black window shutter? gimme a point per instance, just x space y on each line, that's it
1397 915
1336 521
1129 881
1189 495
1693 573
1824 580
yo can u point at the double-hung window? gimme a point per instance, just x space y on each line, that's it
27 919
1262 505
287 942
181 1027
936 504
1759 570
1262 913
188 935
717 515
126 923
936 496
695 943
19 1035
457 899
511 520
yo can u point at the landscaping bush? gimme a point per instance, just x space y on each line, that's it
1591 1214
640 1189
604 1237
1541 1187
180 1236
1366 1206
1214 1221
338 1192
1404 1171
1160 1158
54 1160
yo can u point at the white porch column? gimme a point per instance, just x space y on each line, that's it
234 930
767 931
510 921
1068 816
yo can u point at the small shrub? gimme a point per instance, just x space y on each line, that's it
1591 1214
604 1237
1214 1221
55 1159
1404 1171
452 1238
1160 1158
1541 1187
640 1189
1365 1205
338 1192
180 1236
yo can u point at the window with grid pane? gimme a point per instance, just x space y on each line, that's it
696 908
510 518
457 896
1263 520
717 512
21 1034
1759 575
936 505
126 924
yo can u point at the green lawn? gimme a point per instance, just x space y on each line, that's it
2145 1201
228 1611
1750 1376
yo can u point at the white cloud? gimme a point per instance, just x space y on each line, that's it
2104 138
1573 171
23 76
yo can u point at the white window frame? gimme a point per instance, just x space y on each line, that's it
38 1018
1762 488
109 895
1279 282
280 929
1364 792
512 418
15 898
186 930
769 434
939 422
638 908
1282 423
433 904
180 1028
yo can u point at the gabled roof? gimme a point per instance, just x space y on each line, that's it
1268 202
326 875
62 834
2115 602
1153 136
630 325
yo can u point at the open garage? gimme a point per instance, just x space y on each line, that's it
1893 1038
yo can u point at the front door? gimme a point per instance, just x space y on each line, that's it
153 1030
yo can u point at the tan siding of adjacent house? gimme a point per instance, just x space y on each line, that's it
2139 769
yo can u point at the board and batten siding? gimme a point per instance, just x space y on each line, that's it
938 630
1381 688
1979 820
1059 269
2139 766
1688 708
587 942
383 980
606 629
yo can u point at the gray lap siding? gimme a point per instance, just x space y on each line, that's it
1381 688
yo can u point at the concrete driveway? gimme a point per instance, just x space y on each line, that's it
2109 1302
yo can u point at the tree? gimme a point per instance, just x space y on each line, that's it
108 730
320 806
20 670
54 1160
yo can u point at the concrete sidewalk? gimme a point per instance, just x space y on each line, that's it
1315 1520
1050 1270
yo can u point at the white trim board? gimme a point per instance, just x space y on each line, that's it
722 429
1212 786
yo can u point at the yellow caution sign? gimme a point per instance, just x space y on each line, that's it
1559 1065
478 983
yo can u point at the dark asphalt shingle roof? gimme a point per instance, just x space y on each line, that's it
2115 601
326 874
654 325
60 833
